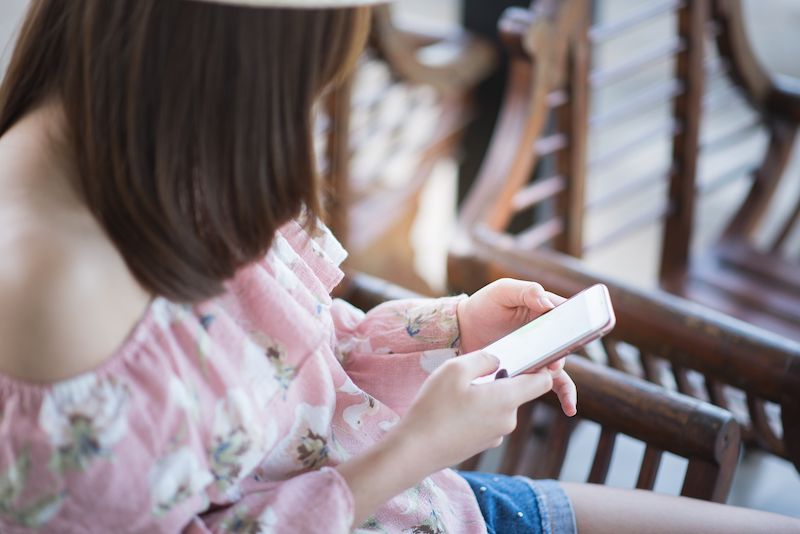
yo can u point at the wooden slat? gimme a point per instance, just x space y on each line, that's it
628 189
614 358
786 229
715 69
543 456
753 293
633 225
365 291
573 118
697 481
644 137
772 167
541 189
539 234
738 407
718 299
743 132
742 171
646 99
556 445
604 32
716 393
550 144
682 381
517 442
649 468
602 457
778 272
701 425
721 98
633 65
322 125
764 433
557 98
713 29
651 369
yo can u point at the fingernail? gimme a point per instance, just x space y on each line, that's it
492 357
546 302
502 373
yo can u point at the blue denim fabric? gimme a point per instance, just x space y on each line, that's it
519 504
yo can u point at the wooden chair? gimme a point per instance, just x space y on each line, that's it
513 210
708 437
386 129
690 160
670 341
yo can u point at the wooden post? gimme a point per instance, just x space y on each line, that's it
687 110
573 119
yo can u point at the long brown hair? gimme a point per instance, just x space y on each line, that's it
190 122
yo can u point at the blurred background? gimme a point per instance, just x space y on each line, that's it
762 481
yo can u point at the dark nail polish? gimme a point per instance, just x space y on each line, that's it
502 373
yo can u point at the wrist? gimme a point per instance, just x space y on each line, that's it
463 327
410 446
393 465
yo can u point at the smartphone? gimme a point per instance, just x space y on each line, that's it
579 320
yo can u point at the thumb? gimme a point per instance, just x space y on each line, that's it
514 293
477 364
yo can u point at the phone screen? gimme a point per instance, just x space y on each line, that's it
579 318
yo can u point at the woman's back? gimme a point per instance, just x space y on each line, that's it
149 418
67 300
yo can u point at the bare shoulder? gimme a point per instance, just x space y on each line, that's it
67 300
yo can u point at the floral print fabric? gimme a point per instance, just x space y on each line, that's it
228 416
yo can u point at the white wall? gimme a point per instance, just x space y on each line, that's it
11 12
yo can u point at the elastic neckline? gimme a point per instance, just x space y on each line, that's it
132 341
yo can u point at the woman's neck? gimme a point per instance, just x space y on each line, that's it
37 162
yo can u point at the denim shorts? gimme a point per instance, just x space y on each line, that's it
519 504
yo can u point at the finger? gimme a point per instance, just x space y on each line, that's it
525 387
555 299
476 364
556 365
567 393
538 299
513 293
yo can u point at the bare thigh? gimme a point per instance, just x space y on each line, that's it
601 509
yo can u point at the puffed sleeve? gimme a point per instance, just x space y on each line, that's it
390 350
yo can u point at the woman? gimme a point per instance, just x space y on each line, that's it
170 358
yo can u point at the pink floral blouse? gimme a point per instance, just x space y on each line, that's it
228 416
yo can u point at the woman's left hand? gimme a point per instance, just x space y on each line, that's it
500 308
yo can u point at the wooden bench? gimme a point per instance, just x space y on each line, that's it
677 344
530 204
689 165
707 436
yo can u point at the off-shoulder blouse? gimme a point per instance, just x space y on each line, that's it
229 415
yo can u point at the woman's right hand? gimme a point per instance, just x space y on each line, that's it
452 419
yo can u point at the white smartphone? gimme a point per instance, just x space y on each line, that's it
581 319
